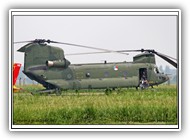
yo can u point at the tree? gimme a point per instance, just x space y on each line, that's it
161 69
167 70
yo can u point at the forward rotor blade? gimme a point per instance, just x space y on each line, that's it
167 59
168 56
141 50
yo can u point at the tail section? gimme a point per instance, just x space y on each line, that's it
37 54
16 69
41 59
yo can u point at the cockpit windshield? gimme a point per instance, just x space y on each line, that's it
156 70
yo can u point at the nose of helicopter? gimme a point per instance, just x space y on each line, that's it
164 78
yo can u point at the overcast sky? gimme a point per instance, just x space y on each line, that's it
108 32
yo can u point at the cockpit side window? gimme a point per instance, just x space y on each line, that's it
156 70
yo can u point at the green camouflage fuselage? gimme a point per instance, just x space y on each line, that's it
48 66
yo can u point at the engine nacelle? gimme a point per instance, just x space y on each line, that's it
58 64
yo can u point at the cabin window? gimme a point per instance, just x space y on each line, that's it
87 74
125 74
106 74
69 76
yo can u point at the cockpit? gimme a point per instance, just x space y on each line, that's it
160 76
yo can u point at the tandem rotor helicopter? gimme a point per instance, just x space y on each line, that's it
48 66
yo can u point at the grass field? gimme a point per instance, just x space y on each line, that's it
125 106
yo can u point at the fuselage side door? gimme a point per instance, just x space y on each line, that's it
143 74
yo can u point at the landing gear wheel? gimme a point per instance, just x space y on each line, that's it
108 91
58 92
143 86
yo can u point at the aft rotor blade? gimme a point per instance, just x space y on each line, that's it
88 47
87 53
22 42
41 41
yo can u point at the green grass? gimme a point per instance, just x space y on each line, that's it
126 106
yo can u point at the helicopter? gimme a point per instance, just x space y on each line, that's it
48 65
